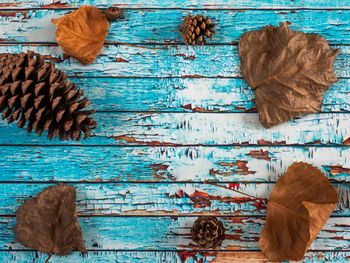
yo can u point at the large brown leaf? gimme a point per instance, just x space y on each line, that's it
298 207
49 221
81 34
288 70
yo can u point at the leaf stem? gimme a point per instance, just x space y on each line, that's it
47 260
128 44
228 188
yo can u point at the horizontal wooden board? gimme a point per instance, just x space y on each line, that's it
162 198
173 233
169 61
169 129
166 164
188 94
162 26
165 256
222 4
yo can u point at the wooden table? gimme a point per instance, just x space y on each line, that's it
170 118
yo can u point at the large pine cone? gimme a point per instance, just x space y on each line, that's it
34 91
194 28
208 232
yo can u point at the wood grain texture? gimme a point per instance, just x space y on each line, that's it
210 61
222 4
166 164
173 233
162 198
188 94
162 26
169 129
166 256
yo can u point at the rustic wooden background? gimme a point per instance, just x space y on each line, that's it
170 119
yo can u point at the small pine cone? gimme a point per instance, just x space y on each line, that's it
208 232
35 92
195 28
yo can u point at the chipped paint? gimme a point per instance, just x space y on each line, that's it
346 141
57 4
129 139
191 57
160 171
4 5
179 129
178 94
138 164
8 14
337 169
118 59
200 199
160 63
239 167
260 154
148 25
264 142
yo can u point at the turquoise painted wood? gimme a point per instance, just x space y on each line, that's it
178 129
188 94
165 256
161 199
173 233
166 164
170 119
162 26
214 61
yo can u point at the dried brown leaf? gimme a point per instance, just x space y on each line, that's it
49 222
299 206
81 34
288 70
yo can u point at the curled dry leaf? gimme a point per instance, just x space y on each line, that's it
81 34
299 206
288 70
49 222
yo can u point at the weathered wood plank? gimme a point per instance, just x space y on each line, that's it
222 4
173 233
188 94
209 61
169 129
166 164
132 256
162 26
161 198
165 256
